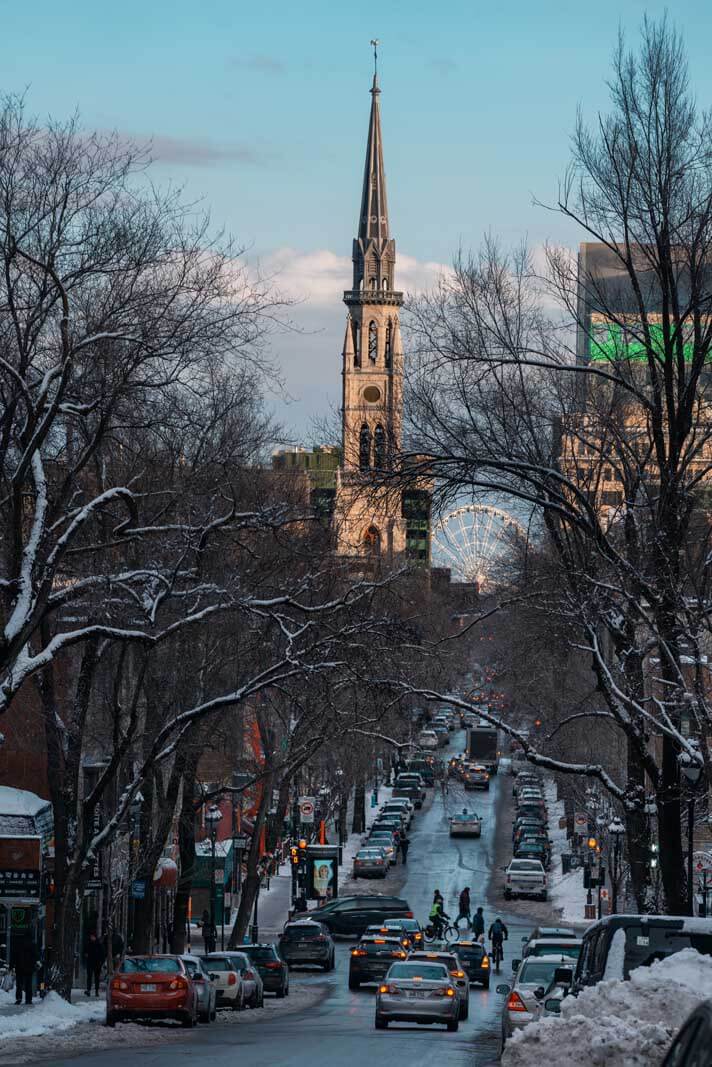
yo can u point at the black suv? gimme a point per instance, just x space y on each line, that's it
307 941
350 916
473 957
274 972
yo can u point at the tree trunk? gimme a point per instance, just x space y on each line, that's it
358 823
251 884
671 855
637 835
186 848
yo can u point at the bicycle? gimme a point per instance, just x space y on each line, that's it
497 954
447 932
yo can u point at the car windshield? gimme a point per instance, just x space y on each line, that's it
471 951
133 964
259 952
190 966
302 933
429 971
538 972
557 950
220 964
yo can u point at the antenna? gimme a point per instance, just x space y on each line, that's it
375 42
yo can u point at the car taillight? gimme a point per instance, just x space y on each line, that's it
274 965
418 936
485 962
118 983
232 978
178 983
358 951
409 915
457 974
249 975
394 990
399 955
449 992
515 1003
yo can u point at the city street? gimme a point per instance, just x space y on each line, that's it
340 1027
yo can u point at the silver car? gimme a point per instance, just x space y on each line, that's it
458 974
524 995
371 863
204 987
417 991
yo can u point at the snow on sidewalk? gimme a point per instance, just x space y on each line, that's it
616 1023
566 891
44 1016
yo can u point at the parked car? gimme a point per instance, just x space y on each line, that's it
371 863
251 978
552 946
273 970
152 987
691 1047
204 987
307 941
528 849
526 991
411 792
401 806
525 878
541 933
458 975
391 823
417 991
372 956
474 958
616 945
229 983
349 916
386 841
465 824
424 768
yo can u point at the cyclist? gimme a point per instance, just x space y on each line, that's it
498 933
438 916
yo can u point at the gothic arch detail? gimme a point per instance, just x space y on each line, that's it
379 448
372 341
364 447
389 343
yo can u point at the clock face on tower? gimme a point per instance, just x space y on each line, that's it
371 394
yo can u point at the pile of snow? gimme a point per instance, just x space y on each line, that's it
566 891
20 802
615 1023
45 1016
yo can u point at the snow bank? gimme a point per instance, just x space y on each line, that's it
20 802
566 891
45 1016
615 1023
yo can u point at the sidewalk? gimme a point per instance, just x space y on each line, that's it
49 1015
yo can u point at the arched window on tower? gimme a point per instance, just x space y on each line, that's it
374 283
372 541
379 448
356 334
372 342
364 448
389 343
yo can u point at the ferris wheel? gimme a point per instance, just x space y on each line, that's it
477 542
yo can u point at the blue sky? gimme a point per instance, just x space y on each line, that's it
262 109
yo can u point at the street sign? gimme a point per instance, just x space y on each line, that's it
138 889
581 819
240 841
24 882
306 809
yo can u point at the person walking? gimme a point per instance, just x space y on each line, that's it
94 956
404 846
464 907
25 959
478 924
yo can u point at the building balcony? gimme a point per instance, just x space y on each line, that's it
387 297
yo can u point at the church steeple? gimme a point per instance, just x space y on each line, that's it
373 220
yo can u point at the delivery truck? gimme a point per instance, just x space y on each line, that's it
482 747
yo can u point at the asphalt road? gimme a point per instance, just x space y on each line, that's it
340 1029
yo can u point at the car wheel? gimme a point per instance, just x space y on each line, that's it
188 1021
485 984
281 992
453 1026
464 1011
204 1017
214 1014
286 990
381 1024
507 894
544 895
238 1003
354 983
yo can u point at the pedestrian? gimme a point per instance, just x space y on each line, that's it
478 924
404 846
210 935
300 904
94 955
464 907
25 960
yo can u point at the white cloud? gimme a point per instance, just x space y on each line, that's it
319 277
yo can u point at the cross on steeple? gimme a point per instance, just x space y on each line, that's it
375 44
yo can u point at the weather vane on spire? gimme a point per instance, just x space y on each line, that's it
375 42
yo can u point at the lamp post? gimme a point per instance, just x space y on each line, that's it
212 819
134 828
691 772
616 830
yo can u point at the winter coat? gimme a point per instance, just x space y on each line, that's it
478 924
94 954
25 957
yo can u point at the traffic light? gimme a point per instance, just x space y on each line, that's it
537 723
302 849
592 842
294 855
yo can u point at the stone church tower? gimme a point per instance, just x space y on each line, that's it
368 518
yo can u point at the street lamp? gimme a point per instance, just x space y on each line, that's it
691 772
212 819
616 830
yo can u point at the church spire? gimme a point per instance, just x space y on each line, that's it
373 221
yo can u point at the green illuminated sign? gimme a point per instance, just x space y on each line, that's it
610 342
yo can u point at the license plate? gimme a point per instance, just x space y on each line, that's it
417 994
149 987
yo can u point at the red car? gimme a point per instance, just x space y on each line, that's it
152 987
